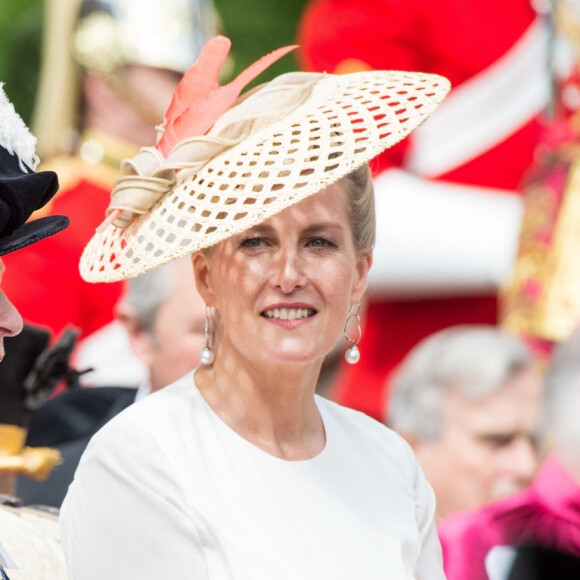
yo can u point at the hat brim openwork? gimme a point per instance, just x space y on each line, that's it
344 122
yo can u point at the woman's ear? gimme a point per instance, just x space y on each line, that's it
363 266
200 263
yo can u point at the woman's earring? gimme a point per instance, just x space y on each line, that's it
207 356
352 355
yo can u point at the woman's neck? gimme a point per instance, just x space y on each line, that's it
271 406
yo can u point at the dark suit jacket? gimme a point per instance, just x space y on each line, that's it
67 423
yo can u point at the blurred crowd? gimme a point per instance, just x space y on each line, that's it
470 342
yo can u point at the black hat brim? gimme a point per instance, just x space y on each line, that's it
32 232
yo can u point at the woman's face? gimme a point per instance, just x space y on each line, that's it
282 289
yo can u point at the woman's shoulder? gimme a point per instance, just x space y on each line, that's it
352 434
362 429
156 413
351 416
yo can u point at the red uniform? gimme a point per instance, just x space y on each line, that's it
43 280
488 143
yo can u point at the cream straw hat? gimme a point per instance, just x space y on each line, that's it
271 149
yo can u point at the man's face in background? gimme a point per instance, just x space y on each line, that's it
10 320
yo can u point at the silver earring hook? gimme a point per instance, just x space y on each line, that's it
207 355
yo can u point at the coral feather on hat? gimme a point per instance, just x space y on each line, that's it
197 103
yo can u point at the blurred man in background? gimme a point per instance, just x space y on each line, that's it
544 520
468 399
22 192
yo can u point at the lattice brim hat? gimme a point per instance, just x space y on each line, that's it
286 141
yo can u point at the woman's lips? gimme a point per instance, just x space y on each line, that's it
288 313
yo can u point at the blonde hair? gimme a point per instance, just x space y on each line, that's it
360 191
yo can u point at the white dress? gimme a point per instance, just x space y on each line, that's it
167 490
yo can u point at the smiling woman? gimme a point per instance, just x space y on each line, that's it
238 470
282 290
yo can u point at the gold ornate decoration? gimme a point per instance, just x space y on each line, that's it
542 299
16 459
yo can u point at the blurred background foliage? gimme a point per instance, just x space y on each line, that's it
254 26
20 37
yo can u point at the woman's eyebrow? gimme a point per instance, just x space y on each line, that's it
264 229
323 226
259 229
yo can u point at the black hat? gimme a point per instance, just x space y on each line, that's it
22 191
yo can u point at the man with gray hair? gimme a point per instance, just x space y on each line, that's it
467 399
164 317
535 534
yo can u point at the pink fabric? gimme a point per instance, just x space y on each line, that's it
547 513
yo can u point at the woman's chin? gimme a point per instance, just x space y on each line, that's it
292 356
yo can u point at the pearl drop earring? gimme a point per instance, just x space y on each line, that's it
352 354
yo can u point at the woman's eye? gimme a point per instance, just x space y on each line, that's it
254 242
321 242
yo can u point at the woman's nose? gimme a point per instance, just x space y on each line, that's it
10 319
289 271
